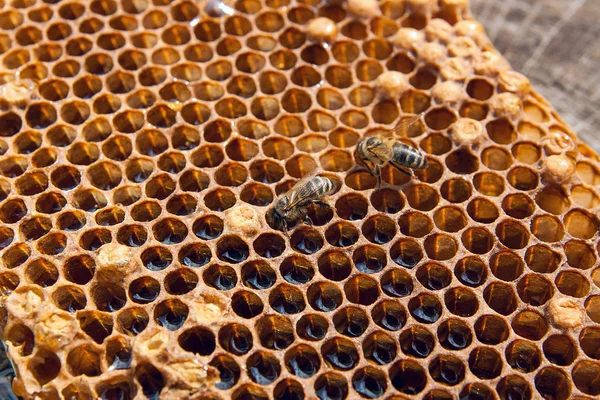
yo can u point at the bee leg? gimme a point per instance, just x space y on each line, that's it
305 217
321 203
378 175
401 169
286 228
370 168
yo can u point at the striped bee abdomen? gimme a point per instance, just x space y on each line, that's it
408 156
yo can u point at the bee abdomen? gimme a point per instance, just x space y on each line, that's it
408 156
325 184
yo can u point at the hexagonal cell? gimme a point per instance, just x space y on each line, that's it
180 281
523 356
171 314
506 265
235 339
541 258
579 254
534 289
501 298
434 276
547 228
485 362
425 308
21 337
407 376
551 381
454 334
580 224
572 284
263 367
44 366
440 246
462 162
530 325
324 296
97 325
447 369
269 245
461 302
229 371
197 340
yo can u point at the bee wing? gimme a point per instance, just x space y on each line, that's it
306 189
383 152
401 129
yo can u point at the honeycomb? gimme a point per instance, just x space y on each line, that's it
142 141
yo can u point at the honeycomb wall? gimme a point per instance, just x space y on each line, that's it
142 141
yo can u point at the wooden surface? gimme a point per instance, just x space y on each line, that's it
556 44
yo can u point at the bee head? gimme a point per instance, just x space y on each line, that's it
275 219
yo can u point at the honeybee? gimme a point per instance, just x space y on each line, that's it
374 151
291 206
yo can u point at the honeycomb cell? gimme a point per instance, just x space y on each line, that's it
433 276
232 174
41 272
171 314
263 368
447 369
144 290
270 245
496 158
351 321
296 270
581 377
501 298
492 329
485 362
220 277
149 378
9 281
331 384
96 324
13 211
229 371
235 339
197 340
302 361
219 199
440 247
132 321
529 325
369 382
523 356
454 334
506 265
462 162
44 366
408 377
560 350
425 308
21 336
461 301
580 224
551 381
512 234
523 178
572 284
417 342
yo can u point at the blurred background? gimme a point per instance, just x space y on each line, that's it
554 43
